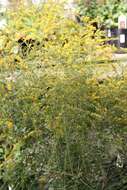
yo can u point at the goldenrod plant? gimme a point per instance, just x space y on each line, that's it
55 33
59 126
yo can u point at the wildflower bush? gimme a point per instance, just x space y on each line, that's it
60 128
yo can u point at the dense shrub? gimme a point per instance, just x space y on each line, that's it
59 128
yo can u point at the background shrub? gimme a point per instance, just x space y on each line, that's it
106 11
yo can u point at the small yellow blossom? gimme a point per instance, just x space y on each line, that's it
9 124
9 86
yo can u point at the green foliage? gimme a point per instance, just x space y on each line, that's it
89 9
58 125
110 12
107 12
